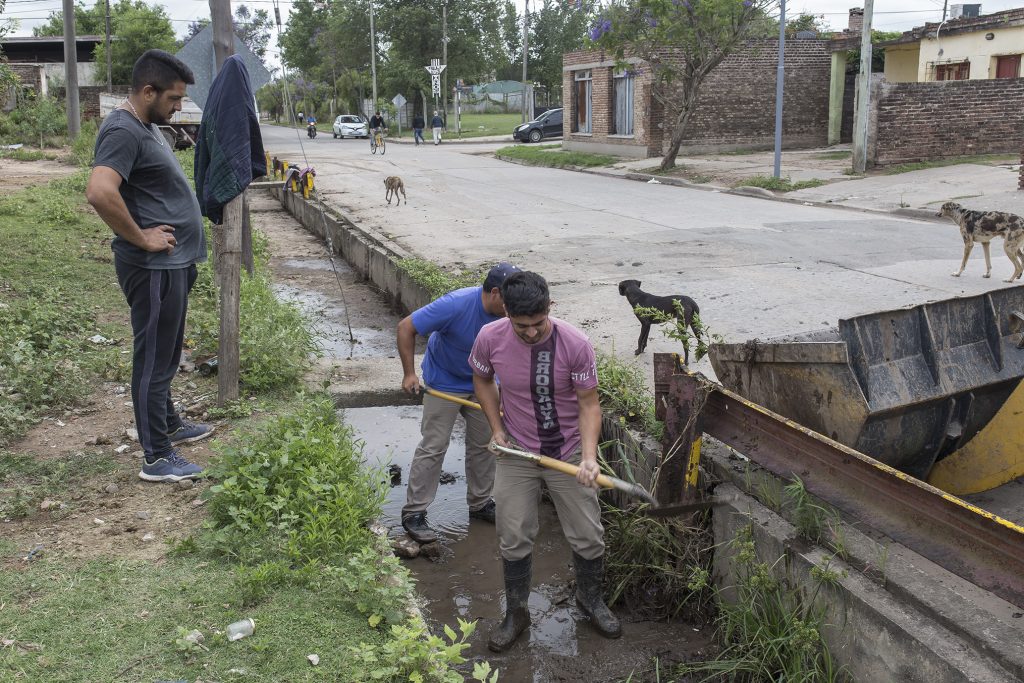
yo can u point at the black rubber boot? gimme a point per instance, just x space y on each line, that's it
589 580
517 595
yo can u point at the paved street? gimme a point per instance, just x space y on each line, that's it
757 268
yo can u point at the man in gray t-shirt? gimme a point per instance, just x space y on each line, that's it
138 188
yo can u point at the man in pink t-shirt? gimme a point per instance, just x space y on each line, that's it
548 376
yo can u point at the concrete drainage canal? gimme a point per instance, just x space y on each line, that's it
459 578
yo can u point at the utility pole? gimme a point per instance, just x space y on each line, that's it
227 240
526 39
945 5
444 58
860 117
110 80
71 69
373 58
780 78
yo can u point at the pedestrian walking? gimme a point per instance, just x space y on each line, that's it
302 118
451 323
548 405
139 190
437 123
417 129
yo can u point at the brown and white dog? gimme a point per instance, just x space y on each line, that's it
392 186
984 226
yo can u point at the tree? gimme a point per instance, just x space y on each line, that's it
88 21
138 27
555 29
682 41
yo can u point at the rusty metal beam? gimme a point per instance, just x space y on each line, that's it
964 539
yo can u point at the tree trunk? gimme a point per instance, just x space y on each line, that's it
686 108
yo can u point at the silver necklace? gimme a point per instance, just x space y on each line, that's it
159 138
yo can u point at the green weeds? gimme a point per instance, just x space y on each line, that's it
554 156
778 184
695 336
622 389
435 280
770 631
25 480
834 156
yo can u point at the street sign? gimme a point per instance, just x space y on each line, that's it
435 85
398 100
435 68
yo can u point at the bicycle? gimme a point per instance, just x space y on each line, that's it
377 141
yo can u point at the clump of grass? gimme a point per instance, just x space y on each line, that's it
25 480
658 568
623 391
554 156
83 146
438 282
26 154
771 631
777 184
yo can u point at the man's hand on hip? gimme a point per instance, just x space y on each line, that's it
159 238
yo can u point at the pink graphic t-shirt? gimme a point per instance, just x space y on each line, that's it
538 383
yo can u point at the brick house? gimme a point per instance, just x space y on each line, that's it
611 108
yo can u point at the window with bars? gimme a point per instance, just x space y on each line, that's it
959 71
582 102
622 103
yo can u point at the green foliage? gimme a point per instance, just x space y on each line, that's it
622 389
556 27
778 184
770 632
658 567
697 337
294 489
414 654
252 28
25 480
39 121
554 156
26 154
436 281
83 147
139 26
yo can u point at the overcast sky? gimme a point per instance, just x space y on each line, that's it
890 15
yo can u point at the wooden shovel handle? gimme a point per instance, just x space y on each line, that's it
568 468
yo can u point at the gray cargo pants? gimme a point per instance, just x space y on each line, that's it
436 432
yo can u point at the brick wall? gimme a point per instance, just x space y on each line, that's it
918 121
736 108
89 98
30 74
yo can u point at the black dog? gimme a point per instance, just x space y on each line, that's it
666 304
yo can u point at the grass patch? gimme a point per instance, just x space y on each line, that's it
554 156
473 126
985 159
26 481
622 388
438 282
777 184
771 631
27 154
834 155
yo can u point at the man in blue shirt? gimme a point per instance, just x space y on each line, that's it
452 323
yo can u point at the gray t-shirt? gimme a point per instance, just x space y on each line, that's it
154 189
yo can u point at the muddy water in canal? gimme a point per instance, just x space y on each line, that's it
466 581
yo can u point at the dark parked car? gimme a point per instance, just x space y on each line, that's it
547 125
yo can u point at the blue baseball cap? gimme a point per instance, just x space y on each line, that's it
497 275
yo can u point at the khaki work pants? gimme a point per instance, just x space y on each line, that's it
436 431
517 484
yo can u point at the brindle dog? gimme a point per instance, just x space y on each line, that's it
392 186
984 226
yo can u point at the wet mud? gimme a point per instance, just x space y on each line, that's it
465 582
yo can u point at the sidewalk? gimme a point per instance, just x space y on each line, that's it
914 193
450 139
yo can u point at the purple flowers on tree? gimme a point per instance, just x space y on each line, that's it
602 27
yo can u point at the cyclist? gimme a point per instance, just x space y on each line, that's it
377 125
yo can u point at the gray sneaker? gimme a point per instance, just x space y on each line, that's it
191 431
171 467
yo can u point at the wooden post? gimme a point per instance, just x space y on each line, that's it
681 398
227 238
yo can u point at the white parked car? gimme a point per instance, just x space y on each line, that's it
350 126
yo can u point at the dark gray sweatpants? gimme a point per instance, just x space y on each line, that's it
158 300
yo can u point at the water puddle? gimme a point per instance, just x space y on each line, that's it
329 323
466 581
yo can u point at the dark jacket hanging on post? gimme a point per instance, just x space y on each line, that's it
229 151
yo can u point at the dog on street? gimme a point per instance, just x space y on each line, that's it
666 304
984 226
392 186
